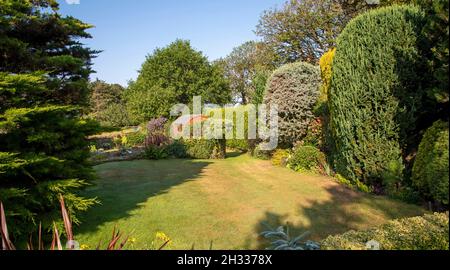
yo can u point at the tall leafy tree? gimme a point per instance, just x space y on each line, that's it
173 75
107 104
243 64
44 71
303 30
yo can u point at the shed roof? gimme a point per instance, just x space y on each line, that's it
189 119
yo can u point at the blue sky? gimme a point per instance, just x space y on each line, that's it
128 30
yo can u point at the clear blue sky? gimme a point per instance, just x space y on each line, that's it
128 30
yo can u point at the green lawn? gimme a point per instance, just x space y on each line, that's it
223 202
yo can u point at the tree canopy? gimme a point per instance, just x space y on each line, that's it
173 75
303 30
107 104
35 37
243 65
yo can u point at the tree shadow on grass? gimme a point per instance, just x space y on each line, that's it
346 210
125 186
234 154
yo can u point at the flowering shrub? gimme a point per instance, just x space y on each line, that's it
157 124
156 132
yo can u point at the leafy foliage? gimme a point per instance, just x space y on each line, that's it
107 105
171 76
200 149
430 171
429 232
156 152
259 83
326 64
280 157
307 158
374 100
243 65
303 30
355 185
281 240
177 149
295 89
315 134
136 139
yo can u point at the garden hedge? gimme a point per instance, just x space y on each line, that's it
375 93
295 89
430 232
430 171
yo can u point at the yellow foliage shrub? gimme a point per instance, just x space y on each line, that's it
326 63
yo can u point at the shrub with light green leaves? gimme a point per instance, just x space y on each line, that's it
355 185
200 149
326 65
430 232
280 157
136 139
431 168
307 158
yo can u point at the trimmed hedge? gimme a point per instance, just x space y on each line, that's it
205 149
430 232
375 94
193 149
295 89
431 168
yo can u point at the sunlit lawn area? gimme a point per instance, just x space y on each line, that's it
224 203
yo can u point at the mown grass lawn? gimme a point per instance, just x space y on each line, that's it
224 203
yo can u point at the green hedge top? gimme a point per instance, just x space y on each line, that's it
430 232
430 172
375 92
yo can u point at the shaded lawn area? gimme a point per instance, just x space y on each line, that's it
224 203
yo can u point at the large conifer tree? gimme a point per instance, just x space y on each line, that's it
44 72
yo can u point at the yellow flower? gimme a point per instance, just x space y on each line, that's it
162 236
124 140
84 247
132 240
